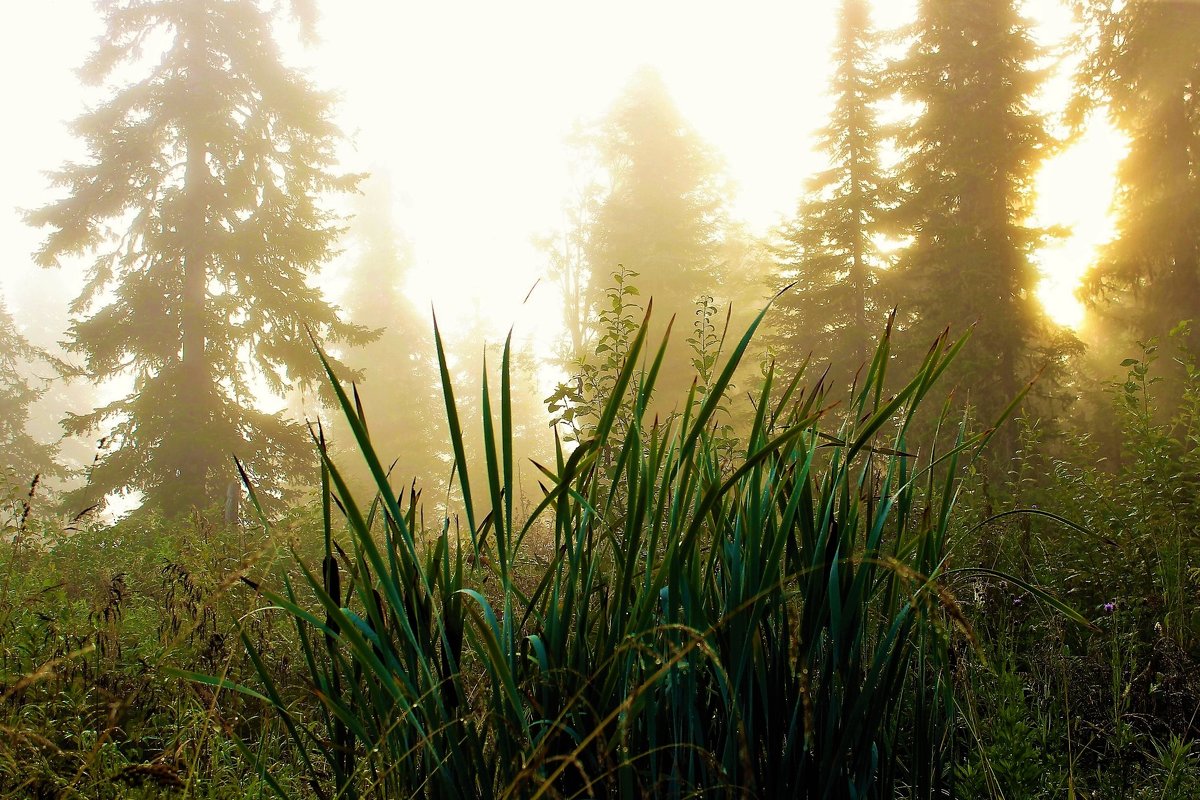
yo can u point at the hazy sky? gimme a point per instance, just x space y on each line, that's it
468 105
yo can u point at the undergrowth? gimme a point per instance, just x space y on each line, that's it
824 605
780 627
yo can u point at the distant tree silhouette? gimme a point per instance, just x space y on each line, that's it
828 250
199 206
400 389
567 251
21 456
661 214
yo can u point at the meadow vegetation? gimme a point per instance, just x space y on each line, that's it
829 550
838 601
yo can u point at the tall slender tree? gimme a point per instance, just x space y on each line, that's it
967 183
662 214
566 251
21 456
400 390
1144 68
829 249
199 206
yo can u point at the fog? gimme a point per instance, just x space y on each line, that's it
487 125
635 399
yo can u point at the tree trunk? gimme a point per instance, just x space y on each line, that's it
858 269
195 380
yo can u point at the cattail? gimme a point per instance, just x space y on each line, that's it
27 504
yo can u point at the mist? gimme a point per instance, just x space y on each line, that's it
563 336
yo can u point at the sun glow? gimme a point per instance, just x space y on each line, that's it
1076 186
1074 194
479 108
469 107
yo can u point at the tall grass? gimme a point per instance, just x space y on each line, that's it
781 628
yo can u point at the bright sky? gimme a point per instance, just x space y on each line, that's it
468 105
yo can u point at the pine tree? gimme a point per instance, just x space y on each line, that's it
400 390
662 215
1144 67
566 252
199 205
470 350
828 251
967 182
21 456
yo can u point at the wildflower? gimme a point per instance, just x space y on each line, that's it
1110 607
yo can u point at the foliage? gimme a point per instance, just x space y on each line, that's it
1144 510
571 649
966 182
1017 757
1143 67
577 404
198 204
90 616
1115 698
783 627
21 456
829 250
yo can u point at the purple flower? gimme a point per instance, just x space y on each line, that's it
1110 607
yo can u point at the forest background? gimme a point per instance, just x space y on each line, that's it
208 228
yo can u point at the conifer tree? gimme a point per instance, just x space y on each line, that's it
828 251
199 206
662 215
966 183
1144 68
400 390
21 456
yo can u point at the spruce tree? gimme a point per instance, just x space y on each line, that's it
662 215
828 251
1144 68
199 206
21 456
966 185
401 388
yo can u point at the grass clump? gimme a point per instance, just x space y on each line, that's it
780 626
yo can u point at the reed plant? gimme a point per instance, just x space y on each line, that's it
782 626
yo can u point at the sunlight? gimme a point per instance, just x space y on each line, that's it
1075 192
481 155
